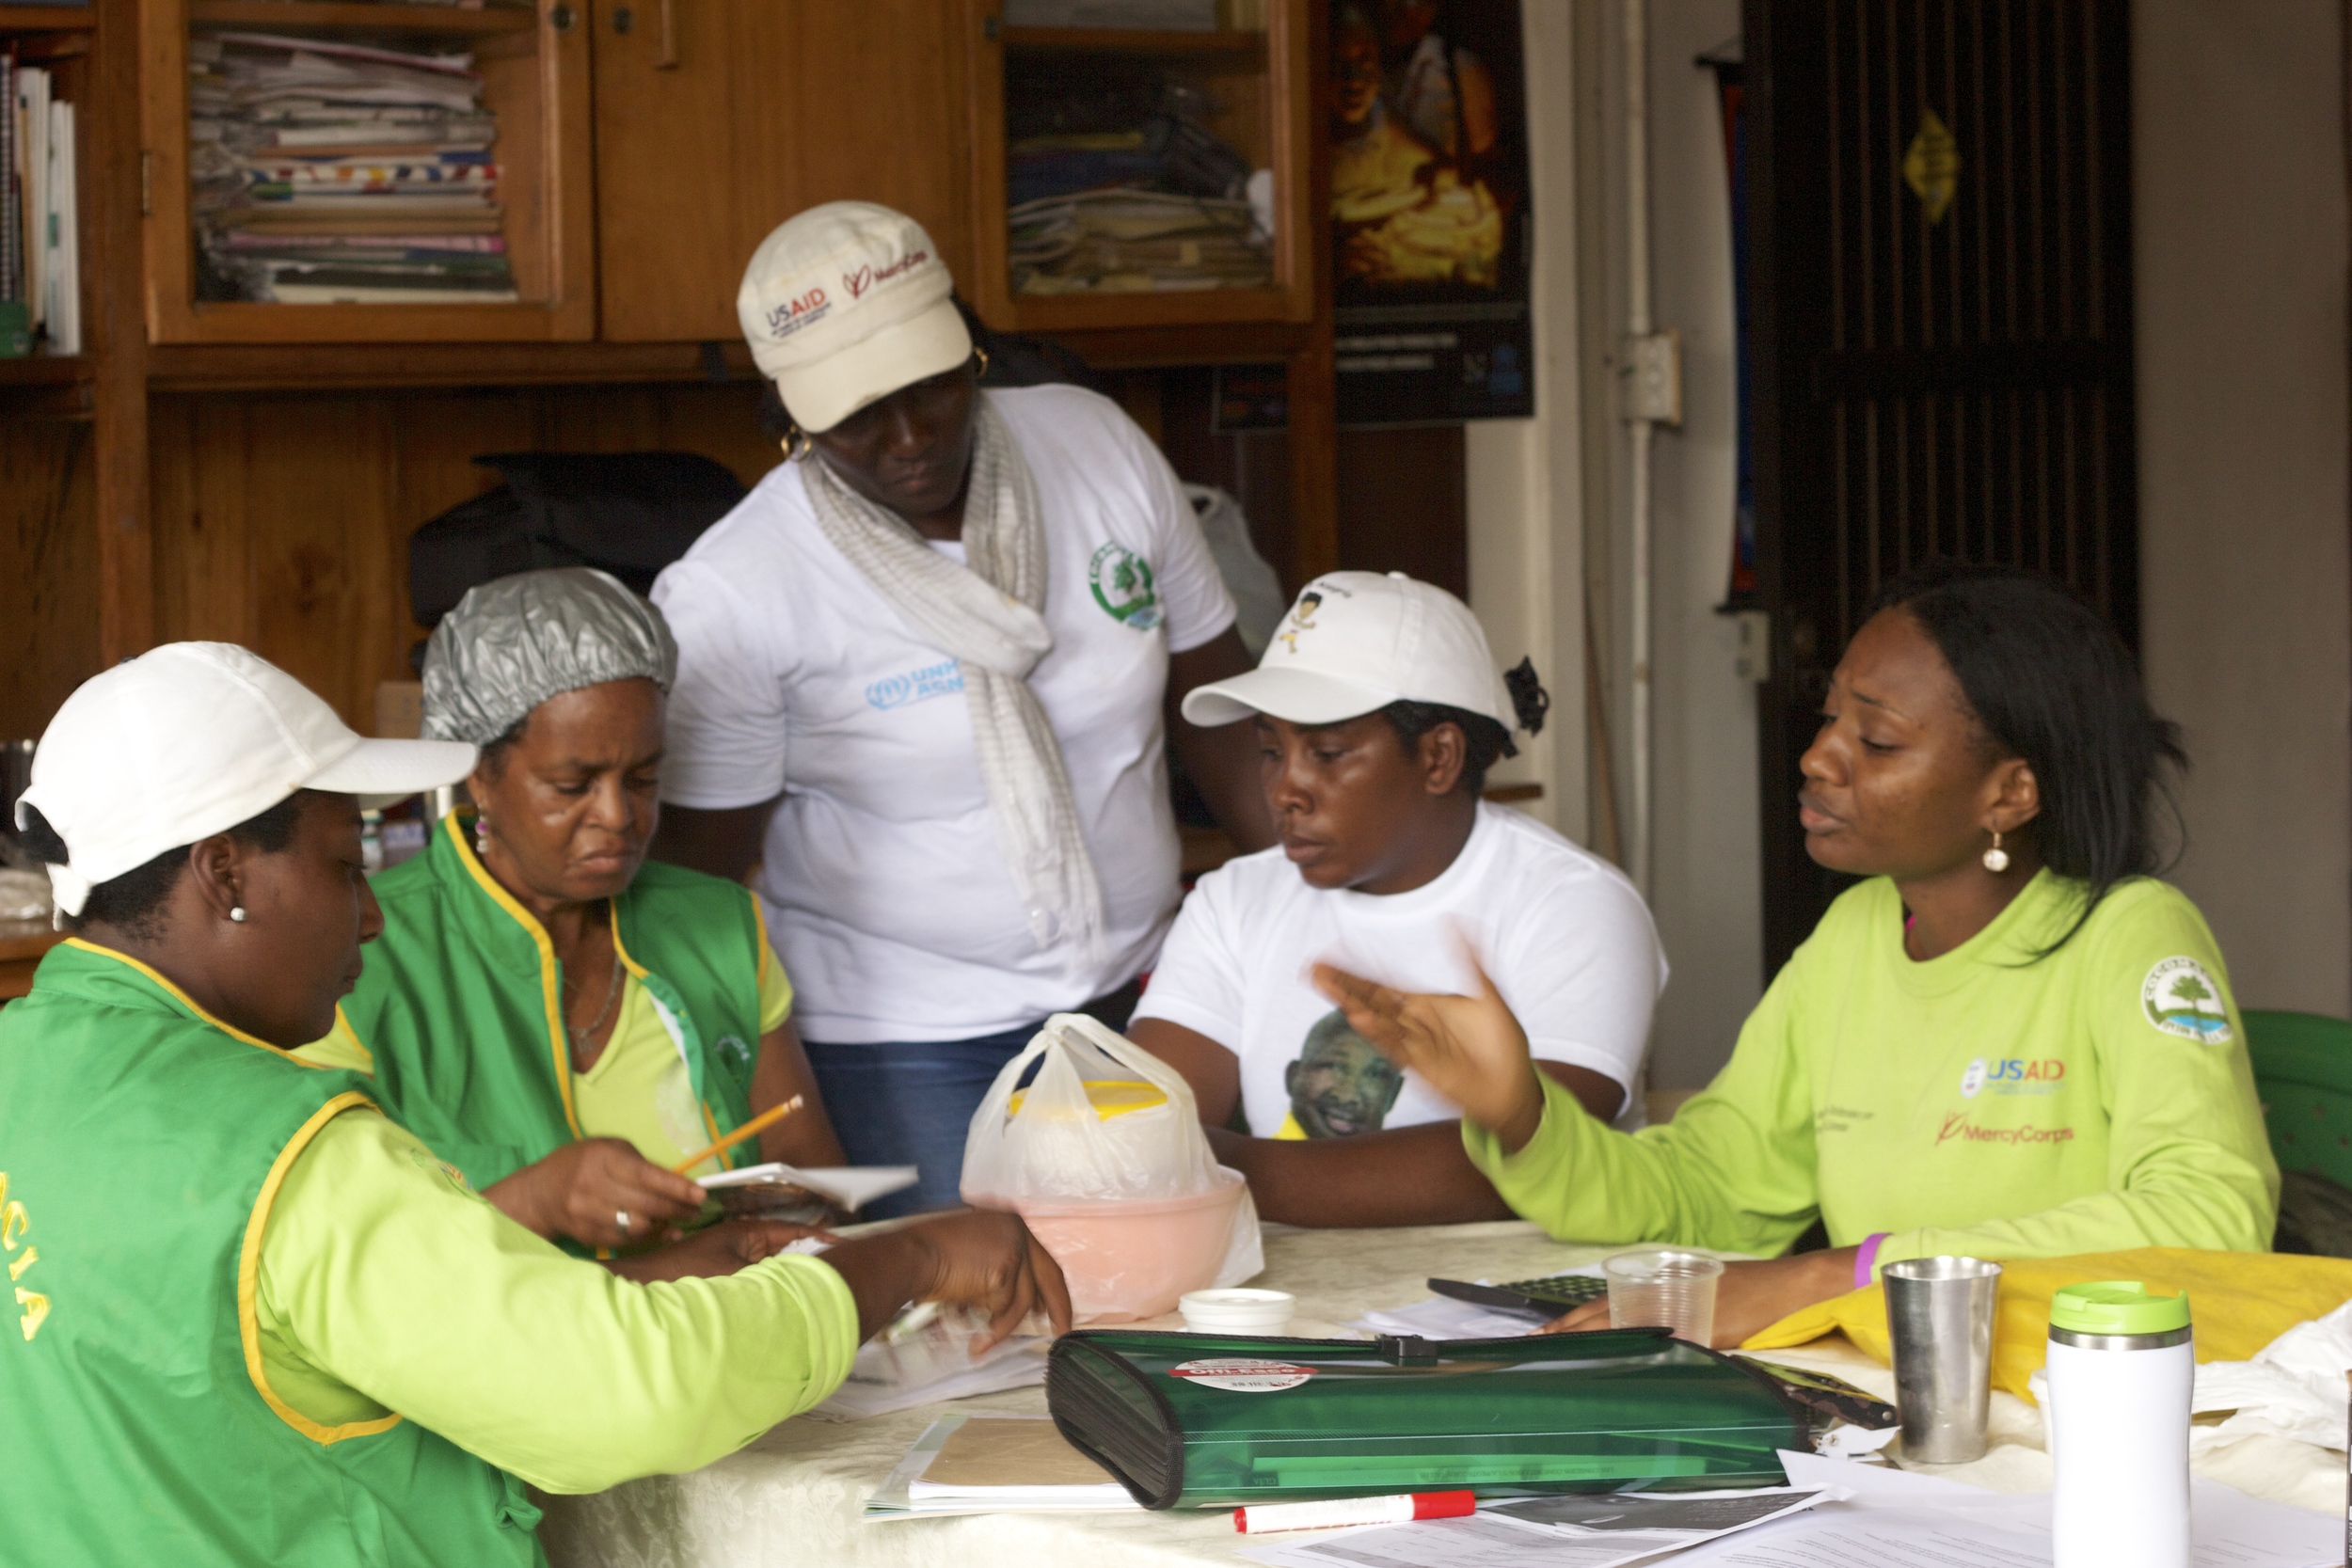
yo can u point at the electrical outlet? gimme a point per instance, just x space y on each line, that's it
1656 363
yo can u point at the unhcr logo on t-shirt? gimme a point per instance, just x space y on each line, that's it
915 686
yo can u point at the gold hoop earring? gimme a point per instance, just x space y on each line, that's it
797 446
981 354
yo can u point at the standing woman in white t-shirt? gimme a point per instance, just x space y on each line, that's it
927 672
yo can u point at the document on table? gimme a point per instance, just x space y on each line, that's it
1894 1519
995 1464
1868 1516
1583 1531
850 1187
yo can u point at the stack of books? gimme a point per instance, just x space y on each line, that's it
1132 241
327 172
40 247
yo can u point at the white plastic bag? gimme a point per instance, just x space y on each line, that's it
1104 1155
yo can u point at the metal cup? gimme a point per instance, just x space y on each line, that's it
1940 1313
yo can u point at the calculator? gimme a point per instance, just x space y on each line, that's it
1545 1298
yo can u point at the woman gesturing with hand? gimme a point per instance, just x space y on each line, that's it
2009 1040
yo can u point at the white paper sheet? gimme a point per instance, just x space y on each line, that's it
904 1494
1546 1532
850 1187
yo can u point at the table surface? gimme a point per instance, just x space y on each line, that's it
794 1496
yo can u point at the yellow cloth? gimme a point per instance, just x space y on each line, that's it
384 1285
639 1088
2237 1301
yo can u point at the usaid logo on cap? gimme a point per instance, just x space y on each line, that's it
793 314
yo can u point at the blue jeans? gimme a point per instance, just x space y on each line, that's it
910 1103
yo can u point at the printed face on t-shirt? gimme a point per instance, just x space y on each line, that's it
1341 1085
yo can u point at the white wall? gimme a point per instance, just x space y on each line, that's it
1524 477
2241 259
1528 488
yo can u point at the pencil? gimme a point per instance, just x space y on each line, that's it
760 1123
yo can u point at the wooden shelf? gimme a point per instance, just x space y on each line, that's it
47 19
1131 41
237 366
357 13
46 370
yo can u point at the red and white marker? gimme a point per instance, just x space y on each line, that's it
1330 1514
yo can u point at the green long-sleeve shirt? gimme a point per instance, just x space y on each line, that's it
384 1285
1983 1102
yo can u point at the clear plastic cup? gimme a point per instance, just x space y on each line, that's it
1664 1288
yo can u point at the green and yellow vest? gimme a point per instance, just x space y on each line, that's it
142 1142
460 1004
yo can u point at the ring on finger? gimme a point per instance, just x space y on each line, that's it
620 1218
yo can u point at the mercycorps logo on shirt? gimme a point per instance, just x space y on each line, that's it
1962 1126
2012 1075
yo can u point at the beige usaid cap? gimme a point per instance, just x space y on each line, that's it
191 739
1353 643
845 304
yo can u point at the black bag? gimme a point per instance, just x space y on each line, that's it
629 514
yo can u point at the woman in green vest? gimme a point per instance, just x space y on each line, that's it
257 1320
560 1018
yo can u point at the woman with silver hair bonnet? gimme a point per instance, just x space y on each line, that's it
558 1017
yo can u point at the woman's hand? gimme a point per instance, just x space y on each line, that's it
1749 1297
1470 1049
584 1190
980 1257
714 1250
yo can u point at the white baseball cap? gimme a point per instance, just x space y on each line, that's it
1353 643
845 304
189 741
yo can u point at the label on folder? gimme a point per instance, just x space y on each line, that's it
1242 1374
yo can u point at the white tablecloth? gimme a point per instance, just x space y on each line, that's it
793 1497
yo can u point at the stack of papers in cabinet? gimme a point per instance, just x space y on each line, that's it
332 172
1125 241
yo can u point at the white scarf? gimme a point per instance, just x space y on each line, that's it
987 614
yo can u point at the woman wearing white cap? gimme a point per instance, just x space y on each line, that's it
928 672
258 1321
1377 710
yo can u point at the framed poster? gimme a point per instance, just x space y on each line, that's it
1429 212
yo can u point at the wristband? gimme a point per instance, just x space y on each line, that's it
1866 1258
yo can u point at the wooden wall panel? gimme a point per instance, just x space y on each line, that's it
49 602
282 521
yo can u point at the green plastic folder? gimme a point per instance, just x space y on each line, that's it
1219 1422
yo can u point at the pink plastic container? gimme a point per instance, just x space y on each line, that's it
1125 1260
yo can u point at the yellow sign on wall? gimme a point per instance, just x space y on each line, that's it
1931 167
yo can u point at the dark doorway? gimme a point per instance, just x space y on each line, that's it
1940 309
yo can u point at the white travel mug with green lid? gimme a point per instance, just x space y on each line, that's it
2120 1370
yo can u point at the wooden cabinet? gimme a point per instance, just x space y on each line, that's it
533 63
717 120
1045 93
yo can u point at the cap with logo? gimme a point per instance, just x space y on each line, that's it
189 741
843 304
1356 641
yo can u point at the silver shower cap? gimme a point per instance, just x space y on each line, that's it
513 644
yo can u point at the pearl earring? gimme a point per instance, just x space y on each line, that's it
1996 858
481 834
236 913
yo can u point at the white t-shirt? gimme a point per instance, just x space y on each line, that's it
1565 937
887 895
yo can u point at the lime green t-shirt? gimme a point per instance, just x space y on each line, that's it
1985 1101
640 1087
379 1271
